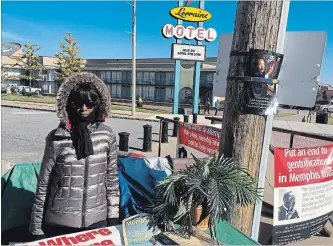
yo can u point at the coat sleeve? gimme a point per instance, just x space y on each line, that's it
112 181
42 184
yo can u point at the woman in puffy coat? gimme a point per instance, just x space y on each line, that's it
78 185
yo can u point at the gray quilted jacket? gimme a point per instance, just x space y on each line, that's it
77 193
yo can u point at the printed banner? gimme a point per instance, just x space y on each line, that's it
199 140
103 236
303 192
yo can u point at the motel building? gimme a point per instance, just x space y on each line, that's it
154 78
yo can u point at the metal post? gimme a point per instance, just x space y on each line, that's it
160 139
175 126
291 141
177 71
195 118
196 80
147 138
123 141
185 118
134 58
268 127
165 131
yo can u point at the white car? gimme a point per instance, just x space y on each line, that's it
328 108
29 89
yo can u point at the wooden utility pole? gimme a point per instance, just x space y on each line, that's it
257 27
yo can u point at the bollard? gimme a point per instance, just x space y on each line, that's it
185 118
195 118
147 138
175 126
165 131
123 141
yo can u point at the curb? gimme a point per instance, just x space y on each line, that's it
112 116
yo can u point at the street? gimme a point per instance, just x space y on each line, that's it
24 131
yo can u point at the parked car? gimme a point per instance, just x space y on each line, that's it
30 90
327 108
6 87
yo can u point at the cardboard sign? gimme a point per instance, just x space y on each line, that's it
102 236
303 192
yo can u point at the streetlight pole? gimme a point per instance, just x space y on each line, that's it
134 58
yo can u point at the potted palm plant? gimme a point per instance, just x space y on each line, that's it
214 184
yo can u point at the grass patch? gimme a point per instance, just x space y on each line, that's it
284 114
52 100
41 99
330 120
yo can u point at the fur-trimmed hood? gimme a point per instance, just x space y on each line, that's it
82 78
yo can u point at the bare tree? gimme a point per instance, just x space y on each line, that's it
257 27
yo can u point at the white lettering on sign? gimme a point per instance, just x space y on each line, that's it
188 52
189 32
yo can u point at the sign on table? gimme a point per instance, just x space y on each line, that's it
103 236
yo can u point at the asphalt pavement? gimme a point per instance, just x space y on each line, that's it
23 133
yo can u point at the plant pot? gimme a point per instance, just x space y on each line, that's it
195 214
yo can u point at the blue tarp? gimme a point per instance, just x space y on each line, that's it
136 192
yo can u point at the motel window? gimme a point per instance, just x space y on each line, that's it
145 93
116 91
151 93
157 78
160 94
169 77
152 77
124 77
162 81
139 77
129 77
108 76
149 77
139 91
126 91
51 75
146 77
103 75
169 94
210 77
206 78
160 78
116 76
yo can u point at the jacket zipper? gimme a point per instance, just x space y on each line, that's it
86 163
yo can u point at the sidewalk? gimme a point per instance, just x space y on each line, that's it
120 114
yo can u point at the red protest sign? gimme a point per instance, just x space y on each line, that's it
204 139
294 167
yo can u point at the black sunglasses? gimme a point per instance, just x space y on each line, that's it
88 104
